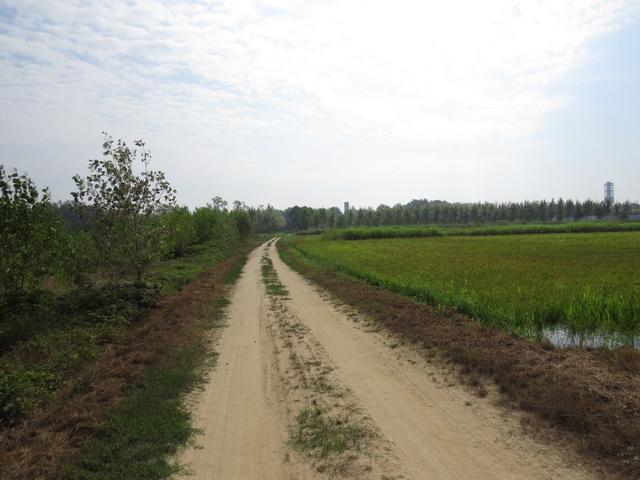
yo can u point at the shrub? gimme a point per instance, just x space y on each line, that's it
243 223
33 240
181 231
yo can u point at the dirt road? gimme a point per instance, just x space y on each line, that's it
243 432
274 354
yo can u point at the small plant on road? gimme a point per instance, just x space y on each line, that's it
320 435
270 278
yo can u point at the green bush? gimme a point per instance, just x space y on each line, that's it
243 223
18 388
209 223
181 231
82 258
33 240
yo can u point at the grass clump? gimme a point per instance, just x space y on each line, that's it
270 278
317 434
55 337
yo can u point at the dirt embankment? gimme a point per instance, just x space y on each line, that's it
40 446
591 397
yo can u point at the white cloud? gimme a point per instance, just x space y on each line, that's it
236 73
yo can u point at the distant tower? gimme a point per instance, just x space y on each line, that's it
608 193
346 207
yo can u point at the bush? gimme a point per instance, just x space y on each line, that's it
243 223
181 232
209 223
33 240
82 258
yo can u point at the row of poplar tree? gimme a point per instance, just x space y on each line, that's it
437 212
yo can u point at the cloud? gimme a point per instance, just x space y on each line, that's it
244 75
425 70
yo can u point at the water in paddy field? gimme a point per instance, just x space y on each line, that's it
563 338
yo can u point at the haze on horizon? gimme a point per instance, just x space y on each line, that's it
315 103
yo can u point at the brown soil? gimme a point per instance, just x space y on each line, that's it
591 396
39 447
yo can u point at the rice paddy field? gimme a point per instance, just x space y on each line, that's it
585 283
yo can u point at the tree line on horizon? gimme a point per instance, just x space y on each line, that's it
438 212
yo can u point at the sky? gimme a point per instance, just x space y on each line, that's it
287 102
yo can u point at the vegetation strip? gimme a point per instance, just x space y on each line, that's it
48 338
141 435
593 396
367 233
108 406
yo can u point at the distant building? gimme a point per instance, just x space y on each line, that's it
346 207
608 193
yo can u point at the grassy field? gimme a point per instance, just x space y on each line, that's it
364 233
588 282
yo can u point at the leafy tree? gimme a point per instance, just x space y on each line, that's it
242 219
74 221
218 203
129 232
243 223
209 222
267 219
181 231
292 217
440 212
33 240
82 258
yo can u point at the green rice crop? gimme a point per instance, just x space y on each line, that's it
589 282
364 233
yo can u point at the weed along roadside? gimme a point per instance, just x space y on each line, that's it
122 415
591 397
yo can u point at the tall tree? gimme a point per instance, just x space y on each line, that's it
129 232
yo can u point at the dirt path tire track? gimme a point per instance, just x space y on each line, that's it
243 431
435 433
